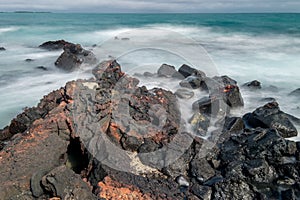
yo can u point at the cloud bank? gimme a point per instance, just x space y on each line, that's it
115 6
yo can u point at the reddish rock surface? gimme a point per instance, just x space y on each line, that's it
103 139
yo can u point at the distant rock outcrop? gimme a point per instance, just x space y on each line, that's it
54 45
73 56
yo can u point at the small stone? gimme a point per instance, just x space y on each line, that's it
182 181
42 68
29 60
253 85
2 49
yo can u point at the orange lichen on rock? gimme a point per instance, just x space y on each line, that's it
111 189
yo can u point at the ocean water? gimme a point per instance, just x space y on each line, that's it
245 47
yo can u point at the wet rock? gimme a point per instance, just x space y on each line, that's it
227 89
186 71
253 85
233 124
268 99
270 116
167 71
54 45
73 56
64 183
210 106
42 68
184 93
29 60
293 119
295 93
194 82
2 49
200 123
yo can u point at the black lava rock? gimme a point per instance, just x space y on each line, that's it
253 85
54 45
270 116
73 56
194 82
186 71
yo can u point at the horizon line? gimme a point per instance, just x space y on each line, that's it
146 12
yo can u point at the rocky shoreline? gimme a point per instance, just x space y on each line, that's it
77 144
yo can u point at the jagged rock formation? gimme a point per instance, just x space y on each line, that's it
105 138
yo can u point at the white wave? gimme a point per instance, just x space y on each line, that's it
8 29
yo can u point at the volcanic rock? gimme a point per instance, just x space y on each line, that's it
184 93
194 82
73 56
253 85
186 71
42 68
64 183
210 106
168 71
228 90
29 60
54 45
270 116
108 138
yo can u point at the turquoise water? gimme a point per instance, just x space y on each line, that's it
244 46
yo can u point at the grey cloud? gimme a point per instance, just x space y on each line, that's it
154 5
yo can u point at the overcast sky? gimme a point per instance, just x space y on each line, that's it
152 6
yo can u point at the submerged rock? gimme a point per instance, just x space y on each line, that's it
29 60
42 68
253 85
295 93
210 106
184 93
73 56
194 82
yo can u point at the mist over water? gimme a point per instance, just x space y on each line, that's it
265 47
